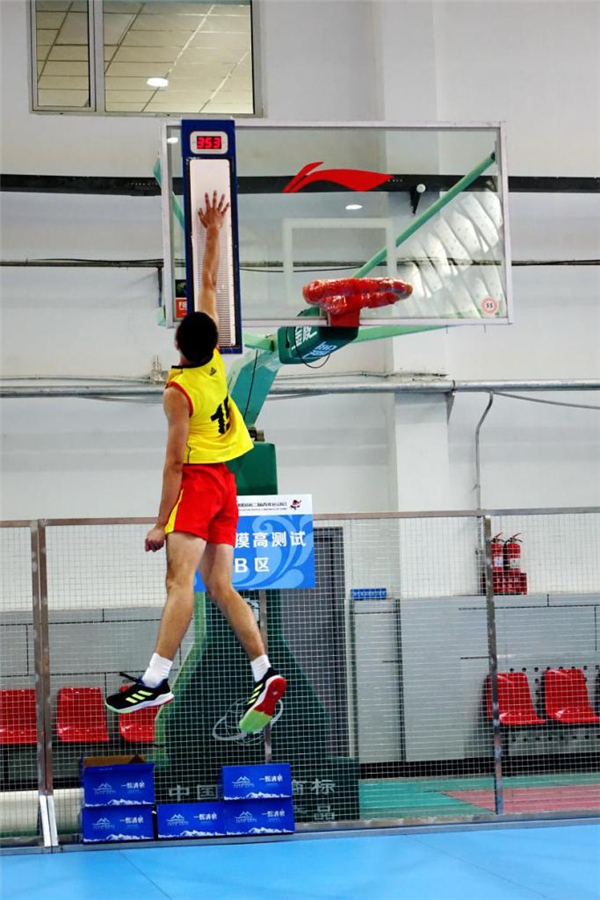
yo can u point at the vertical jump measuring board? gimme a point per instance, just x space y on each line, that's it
208 149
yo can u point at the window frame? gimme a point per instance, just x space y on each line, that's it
97 91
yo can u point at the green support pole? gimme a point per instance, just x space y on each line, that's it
177 207
250 380
373 333
456 189
259 341
377 333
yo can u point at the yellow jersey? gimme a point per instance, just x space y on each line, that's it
217 430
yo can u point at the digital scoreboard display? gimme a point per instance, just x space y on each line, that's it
209 143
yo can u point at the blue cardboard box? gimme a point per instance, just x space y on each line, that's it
190 820
129 785
268 782
259 816
114 823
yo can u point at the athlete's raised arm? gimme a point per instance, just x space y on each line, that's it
212 216
178 414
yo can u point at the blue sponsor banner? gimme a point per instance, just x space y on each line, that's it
274 545
368 594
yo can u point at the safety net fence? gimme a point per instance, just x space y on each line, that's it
445 667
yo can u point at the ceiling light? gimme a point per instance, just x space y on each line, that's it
173 140
354 206
158 82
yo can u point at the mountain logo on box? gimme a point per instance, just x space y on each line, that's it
104 788
246 816
102 823
296 504
177 819
243 782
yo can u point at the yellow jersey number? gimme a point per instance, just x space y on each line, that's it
222 416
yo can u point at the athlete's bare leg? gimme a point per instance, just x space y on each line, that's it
184 554
216 568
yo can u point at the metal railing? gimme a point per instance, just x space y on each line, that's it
426 681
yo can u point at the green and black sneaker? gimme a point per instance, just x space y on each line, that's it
261 706
138 696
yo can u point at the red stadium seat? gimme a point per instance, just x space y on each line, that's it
138 726
567 698
81 715
514 700
17 717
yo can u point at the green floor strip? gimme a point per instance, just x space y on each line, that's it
403 798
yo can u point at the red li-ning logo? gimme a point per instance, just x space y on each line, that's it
489 306
353 179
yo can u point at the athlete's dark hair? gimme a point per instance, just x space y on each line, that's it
197 337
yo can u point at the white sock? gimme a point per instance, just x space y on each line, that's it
260 666
157 671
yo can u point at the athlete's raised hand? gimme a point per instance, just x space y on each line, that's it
212 214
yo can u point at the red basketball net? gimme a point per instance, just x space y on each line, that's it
343 298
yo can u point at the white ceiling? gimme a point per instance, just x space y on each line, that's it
204 49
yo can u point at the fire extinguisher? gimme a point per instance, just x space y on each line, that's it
512 555
497 554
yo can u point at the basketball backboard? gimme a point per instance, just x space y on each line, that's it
426 203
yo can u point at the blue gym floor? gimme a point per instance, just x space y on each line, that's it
557 862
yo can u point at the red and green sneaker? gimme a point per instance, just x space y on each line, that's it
263 702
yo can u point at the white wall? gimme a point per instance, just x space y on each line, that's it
533 454
534 65
306 44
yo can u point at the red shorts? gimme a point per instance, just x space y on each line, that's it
207 505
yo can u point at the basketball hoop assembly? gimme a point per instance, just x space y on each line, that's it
343 298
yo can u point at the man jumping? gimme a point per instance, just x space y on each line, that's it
198 510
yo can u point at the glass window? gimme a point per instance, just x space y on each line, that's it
62 55
160 56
